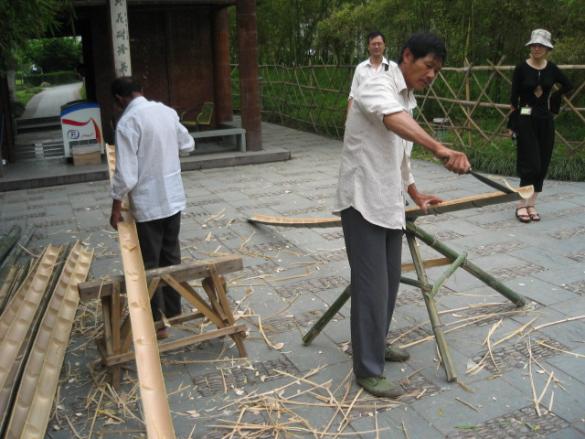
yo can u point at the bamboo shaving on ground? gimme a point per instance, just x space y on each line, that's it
277 412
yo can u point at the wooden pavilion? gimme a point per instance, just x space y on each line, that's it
179 49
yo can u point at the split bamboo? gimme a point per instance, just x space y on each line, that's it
456 204
30 393
23 308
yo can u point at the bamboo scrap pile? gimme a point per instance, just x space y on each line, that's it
281 412
35 326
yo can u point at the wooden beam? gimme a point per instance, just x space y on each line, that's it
189 293
187 271
182 342
439 262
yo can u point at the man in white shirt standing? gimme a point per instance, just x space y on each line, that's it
149 138
375 64
374 173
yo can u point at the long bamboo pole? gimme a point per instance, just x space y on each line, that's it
431 305
157 414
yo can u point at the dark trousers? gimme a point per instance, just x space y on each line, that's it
374 255
536 137
159 243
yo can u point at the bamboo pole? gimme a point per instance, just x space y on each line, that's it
436 323
157 415
327 316
467 265
346 294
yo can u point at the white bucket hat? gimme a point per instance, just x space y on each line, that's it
542 37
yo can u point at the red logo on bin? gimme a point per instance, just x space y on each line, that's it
98 134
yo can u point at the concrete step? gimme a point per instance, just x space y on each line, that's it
39 151
37 124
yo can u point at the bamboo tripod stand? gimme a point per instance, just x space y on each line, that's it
429 290
413 233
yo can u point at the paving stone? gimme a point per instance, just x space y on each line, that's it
313 286
523 423
292 275
517 355
568 233
237 377
498 247
522 270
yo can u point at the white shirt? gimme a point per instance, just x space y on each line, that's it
149 137
375 162
365 70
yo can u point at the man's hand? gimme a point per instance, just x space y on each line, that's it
422 200
116 215
454 161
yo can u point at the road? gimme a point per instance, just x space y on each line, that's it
48 102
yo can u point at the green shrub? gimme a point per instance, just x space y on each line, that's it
53 78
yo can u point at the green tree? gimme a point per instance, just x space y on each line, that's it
24 19
51 54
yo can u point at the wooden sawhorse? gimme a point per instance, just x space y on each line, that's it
114 347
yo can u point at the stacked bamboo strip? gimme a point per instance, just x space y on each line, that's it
31 410
18 317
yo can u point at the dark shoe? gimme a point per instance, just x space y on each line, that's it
533 214
162 333
523 217
380 386
396 354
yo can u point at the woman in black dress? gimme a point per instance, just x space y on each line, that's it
532 120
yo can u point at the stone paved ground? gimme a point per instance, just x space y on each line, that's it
292 275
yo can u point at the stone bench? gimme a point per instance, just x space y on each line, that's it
230 131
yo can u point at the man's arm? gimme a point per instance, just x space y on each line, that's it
353 88
406 127
126 174
422 200
116 215
186 141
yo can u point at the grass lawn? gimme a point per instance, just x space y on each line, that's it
23 95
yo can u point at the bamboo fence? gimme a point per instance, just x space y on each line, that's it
466 107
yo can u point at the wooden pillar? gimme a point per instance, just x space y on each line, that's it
249 84
6 127
221 66
120 37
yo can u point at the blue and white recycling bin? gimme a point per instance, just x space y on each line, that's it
81 124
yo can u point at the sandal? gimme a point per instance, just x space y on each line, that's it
534 216
523 217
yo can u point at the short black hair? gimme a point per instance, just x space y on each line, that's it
375 34
125 85
423 43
